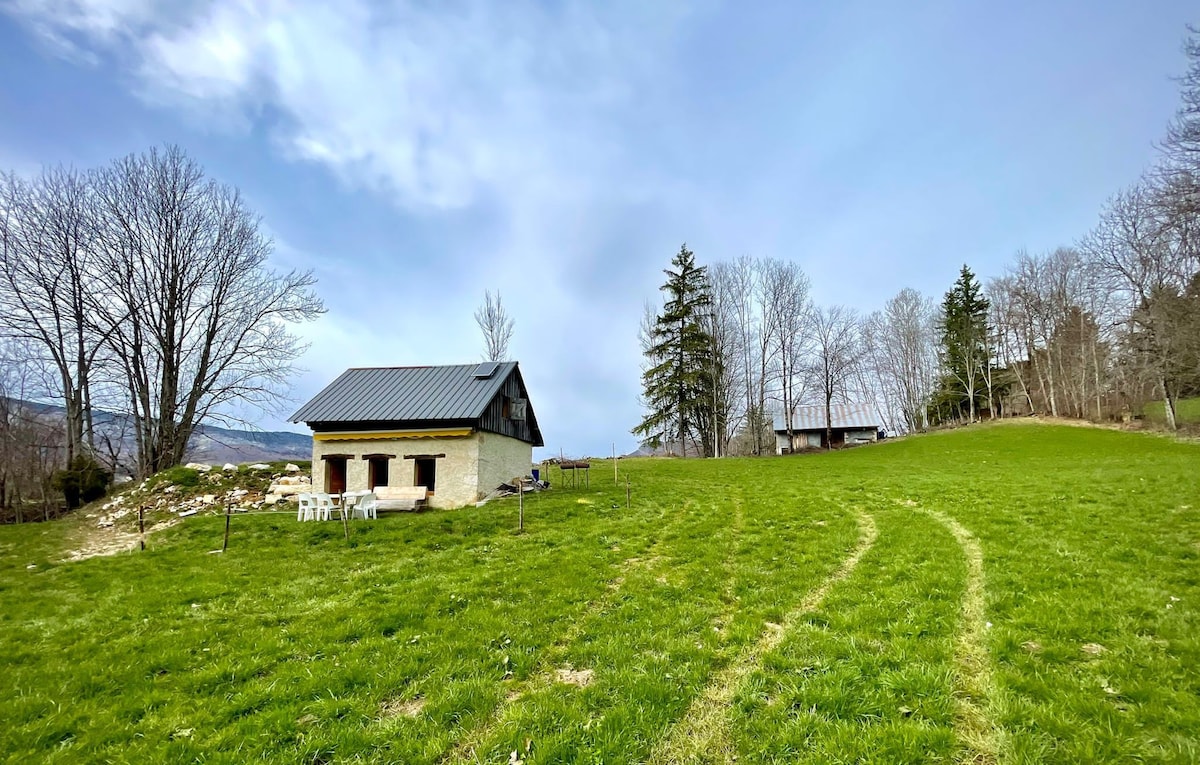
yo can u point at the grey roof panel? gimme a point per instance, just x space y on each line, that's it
393 394
842 416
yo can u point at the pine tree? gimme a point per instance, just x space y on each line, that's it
964 354
677 385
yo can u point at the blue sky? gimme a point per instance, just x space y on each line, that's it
415 154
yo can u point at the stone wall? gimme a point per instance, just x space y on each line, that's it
501 459
474 465
457 472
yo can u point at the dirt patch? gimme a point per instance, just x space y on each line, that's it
1093 649
402 707
91 541
580 678
1032 646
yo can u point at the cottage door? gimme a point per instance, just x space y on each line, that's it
335 475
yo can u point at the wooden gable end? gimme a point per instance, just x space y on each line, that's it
496 417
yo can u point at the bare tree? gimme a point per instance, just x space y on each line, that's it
900 346
770 287
497 327
722 325
793 316
1147 252
740 284
47 275
32 440
837 351
194 317
1179 174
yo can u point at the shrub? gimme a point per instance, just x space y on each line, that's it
180 476
83 480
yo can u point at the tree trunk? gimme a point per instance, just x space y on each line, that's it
1169 405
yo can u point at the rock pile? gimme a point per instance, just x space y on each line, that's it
287 487
169 498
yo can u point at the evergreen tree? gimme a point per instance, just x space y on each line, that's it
677 385
965 353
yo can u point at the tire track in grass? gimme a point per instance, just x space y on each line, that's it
702 734
465 750
975 687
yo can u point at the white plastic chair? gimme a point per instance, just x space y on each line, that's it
325 506
367 506
307 509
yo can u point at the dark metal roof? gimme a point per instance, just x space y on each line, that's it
842 415
395 394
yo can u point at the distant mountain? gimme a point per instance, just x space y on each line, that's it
220 445
210 444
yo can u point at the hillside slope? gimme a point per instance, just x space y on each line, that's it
1005 593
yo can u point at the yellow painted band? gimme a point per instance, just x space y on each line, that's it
367 436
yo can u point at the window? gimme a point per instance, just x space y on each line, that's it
425 473
377 472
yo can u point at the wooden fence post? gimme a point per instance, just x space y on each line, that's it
345 521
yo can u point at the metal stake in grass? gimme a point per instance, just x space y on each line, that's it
142 525
228 508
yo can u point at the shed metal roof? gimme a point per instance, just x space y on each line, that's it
842 416
395 394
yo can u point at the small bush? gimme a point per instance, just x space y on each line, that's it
180 476
83 480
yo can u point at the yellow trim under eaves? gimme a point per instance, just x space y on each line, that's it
388 436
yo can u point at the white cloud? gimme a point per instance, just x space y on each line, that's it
438 107
433 103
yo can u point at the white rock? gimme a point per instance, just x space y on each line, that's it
229 466
198 466
239 493
287 490
186 513
291 468
171 489
260 466
208 499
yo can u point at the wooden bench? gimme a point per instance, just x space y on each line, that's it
401 497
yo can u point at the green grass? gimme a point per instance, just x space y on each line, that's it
747 595
1187 411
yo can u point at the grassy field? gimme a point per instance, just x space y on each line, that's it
1007 593
1187 412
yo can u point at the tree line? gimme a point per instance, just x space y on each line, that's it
142 289
1092 330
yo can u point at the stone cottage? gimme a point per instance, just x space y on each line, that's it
459 431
